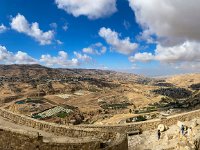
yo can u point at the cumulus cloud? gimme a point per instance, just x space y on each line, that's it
24 58
82 57
20 24
60 60
123 46
169 19
186 52
3 28
144 57
146 36
93 9
174 26
20 57
96 49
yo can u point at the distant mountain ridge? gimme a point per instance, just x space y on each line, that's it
38 71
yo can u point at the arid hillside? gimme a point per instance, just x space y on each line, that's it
185 80
93 96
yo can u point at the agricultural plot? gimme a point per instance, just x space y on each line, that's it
52 112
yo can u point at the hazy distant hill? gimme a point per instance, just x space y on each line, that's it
26 70
38 71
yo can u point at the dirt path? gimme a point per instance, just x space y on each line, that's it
46 135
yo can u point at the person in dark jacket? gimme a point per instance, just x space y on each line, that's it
159 134
182 129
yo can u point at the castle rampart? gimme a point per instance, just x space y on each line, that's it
110 137
94 138
148 125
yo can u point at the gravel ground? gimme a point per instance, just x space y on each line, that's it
170 139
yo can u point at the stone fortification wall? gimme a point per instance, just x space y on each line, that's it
13 139
101 133
61 130
148 125
105 139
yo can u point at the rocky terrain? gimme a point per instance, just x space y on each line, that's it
171 138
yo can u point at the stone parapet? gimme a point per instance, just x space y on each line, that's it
97 138
147 125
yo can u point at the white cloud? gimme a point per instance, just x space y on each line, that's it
60 60
24 58
93 9
123 46
96 49
186 52
144 57
3 28
174 26
146 36
171 20
20 24
82 57
20 57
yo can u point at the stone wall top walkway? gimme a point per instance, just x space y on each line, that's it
84 138
148 125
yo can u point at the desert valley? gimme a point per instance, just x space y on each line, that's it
86 98
81 96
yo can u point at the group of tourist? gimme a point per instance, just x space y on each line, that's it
186 131
183 131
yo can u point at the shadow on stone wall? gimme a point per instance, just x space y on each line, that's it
17 139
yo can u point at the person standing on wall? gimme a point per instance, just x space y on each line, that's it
158 134
182 129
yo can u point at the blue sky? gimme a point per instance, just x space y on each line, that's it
115 35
